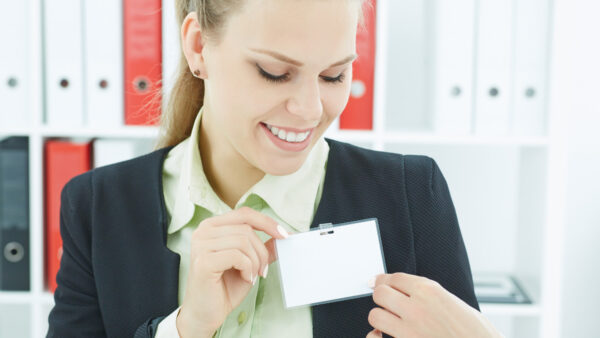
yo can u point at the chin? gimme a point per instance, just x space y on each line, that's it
283 167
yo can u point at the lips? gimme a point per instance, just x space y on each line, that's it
288 129
287 134
288 140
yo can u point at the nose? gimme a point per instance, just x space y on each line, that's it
306 103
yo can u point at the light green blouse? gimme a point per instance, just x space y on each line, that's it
291 200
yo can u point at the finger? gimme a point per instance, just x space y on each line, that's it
221 261
245 230
391 299
240 242
270 245
403 282
255 219
387 322
374 334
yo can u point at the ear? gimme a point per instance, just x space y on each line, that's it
192 43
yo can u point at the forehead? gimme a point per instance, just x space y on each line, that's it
312 31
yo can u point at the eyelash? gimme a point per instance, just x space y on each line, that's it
283 78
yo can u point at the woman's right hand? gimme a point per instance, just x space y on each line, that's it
226 255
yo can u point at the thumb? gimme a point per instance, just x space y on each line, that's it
270 244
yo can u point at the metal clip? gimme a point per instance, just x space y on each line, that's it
328 227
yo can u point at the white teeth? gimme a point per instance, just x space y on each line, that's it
288 136
301 137
291 136
281 134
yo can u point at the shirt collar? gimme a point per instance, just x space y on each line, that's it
291 197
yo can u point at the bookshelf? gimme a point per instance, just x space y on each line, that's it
518 179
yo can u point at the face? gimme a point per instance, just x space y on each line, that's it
282 67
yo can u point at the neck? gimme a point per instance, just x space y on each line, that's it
228 173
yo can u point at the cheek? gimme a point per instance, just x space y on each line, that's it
336 99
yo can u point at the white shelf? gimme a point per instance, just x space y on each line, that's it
436 139
133 132
120 132
400 137
15 132
18 297
13 297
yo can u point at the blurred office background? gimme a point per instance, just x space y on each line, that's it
503 94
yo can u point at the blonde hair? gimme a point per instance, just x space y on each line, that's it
187 95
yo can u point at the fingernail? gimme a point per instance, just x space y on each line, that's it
265 271
254 281
372 283
282 231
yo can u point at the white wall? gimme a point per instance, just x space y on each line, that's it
576 89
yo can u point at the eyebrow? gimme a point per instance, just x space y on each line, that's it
289 60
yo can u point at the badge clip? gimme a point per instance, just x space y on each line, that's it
326 228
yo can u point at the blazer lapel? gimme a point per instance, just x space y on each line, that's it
345 318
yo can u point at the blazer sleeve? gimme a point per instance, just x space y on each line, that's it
149 328
439 248
76 312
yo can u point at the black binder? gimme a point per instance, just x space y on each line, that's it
14 214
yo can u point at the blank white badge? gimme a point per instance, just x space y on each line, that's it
330 264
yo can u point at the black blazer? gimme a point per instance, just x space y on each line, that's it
117 278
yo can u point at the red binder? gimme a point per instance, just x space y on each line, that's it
358 113
63 161
142 48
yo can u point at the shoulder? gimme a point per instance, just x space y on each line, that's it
382 164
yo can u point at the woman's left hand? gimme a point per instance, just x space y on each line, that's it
413 306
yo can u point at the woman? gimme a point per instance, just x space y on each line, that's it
173 243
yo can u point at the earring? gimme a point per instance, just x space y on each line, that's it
197 73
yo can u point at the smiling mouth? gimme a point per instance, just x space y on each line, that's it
288 135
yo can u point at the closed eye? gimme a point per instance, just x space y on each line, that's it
282 78
272 78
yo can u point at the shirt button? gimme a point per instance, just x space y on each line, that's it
241 317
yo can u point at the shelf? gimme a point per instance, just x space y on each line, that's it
401 137
26 297
132 132
120 132
17 297
425 138
15 132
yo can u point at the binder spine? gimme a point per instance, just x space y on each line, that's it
14 56
493 67
64 63
453 66
103 60
358 113
142 24
63 161
14 214
531 42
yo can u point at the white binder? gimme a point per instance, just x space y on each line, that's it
453 34
103 62
64 64
109 151
171 48
493 67
531 62
14 57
